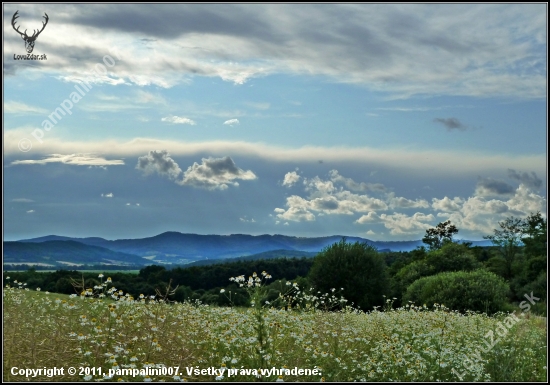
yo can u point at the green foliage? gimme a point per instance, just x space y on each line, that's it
497 265
534 235
527 277
408 275
535 266
478 290
442 233
508 239
482 254
538 287
152 272
357 267
182 293
412 344
63 285
450 257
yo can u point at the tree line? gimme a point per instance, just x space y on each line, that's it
444 271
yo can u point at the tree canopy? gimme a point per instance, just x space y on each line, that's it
436 237
358 268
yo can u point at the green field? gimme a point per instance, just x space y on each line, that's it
406 344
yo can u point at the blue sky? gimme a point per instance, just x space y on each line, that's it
368 120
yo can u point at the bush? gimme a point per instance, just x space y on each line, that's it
357 267
478 290
410 273
182 293
538 287
451 257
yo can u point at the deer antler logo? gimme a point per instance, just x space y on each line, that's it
29 40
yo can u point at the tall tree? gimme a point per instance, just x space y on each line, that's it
436 237
535 235
356 267
508 239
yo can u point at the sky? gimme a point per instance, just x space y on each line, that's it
370 120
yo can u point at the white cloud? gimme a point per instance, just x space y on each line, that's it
215 173
446 204
108 195
12 107
178 120
325 199
371 217
247 220
231 122
74 160
404 49
404 203
30 211
401 224
354 186
22 200
472 215
480 214
456 162
259 106
318 187
296 212
291 178
145 97
526 201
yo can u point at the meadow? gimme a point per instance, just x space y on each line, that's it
108 329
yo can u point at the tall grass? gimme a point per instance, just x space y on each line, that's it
104 328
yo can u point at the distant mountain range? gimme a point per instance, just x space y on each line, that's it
176 248
65 253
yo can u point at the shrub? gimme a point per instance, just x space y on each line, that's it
450 257
182 293
357 267
539 289
478 290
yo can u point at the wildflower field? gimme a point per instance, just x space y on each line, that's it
105 328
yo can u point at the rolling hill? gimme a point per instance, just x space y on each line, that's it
65 253
179 248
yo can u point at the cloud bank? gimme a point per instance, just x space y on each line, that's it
402 49
491 202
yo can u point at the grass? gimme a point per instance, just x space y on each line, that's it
406 344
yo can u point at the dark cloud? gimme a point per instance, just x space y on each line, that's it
451 124
160 162
530 180
215 173
173 20
491 187
325 204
